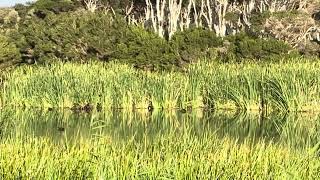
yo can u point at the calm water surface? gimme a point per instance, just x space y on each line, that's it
292 130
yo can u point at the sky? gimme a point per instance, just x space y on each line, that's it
8 3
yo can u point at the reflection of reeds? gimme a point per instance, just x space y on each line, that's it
171 144
249 86
298 131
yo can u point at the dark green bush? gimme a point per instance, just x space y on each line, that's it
21 9
243 46
80 36
68 35
42 8
193 44
144 48
258 21
56 6
8 51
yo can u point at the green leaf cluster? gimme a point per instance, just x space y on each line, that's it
243 46
193 44
81 36
8 50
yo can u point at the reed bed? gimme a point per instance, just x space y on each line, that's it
169 157
297 131
293 85
170 145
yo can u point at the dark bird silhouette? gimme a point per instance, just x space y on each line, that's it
61 129
150 106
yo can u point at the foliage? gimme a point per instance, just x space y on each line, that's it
22 10
81 35
246 47
258 21
55 6
193 44
132 145
9 19
243 86
144 48
8 50
61 30
311 48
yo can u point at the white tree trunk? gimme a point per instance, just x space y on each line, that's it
91 5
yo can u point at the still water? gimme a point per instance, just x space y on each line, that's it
291 130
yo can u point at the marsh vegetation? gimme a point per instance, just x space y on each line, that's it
171 144
287 86
177 89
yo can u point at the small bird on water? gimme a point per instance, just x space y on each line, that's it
61 129
150 107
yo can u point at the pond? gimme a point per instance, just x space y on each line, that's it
299 130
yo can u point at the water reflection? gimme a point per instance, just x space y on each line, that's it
293 130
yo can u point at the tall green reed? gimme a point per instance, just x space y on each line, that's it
166 145
289 86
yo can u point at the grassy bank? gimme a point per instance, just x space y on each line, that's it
249 86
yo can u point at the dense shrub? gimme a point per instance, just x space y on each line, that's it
311 48
9 19
80 36
22 10
8 50
146 49
195 43
57 36
60 30
56 6
243 46
258 20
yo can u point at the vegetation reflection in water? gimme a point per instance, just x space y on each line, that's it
170 133
296 130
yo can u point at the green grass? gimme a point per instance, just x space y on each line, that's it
286 86
123 145
297 131
143 145
163 157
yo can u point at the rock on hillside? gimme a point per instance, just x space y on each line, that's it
300 28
